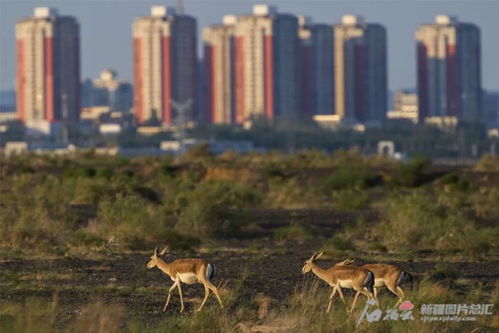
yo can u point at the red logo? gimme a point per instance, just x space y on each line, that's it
406 305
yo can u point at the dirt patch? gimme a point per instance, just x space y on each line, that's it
124 279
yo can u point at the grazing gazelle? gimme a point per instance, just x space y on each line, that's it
342 276
386 275
188 271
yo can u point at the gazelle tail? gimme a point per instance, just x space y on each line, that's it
210 272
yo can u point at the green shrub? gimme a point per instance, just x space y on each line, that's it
350 199
292 194
462 185
350 178
36 215
215 209
79 171
96 190
129 174
84 238
415 222
293 232
377 247
341 244
147 193
344 178
450 178
479 242
411 174
274 171
168 170
105 173
484 204
443 271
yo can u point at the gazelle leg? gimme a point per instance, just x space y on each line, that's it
180 294
376 296
331 299
366 293
169 295
342 298
401 295
355 300
397 291
206 293
215 291
370 295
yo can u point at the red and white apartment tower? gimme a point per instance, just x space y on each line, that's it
219 71
165 63
266 62
449 69
265 65
47 69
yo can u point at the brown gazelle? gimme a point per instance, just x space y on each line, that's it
342 276
188 271
387 275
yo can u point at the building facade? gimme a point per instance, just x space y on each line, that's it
107 90
449 69
165 65
360 70
316 68
47 69
220 71
490 108
405 107
266 65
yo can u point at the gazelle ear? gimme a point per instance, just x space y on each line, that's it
316 255
319 255
156 251
345 262
166 249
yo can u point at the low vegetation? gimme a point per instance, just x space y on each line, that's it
256 206
59 203
303 310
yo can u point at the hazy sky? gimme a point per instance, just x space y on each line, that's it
106 28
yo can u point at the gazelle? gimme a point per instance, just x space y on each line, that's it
342 276
386 275
188 271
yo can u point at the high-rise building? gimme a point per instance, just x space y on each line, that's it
405 107
165 64
48 69
360 70
266 65
316 68
448 69
490 107
219 71
107 90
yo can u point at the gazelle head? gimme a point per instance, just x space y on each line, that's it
153 262
307 267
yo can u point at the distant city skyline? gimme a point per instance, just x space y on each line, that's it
106 29
165 64
48 71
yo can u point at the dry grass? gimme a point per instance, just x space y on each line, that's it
303 312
